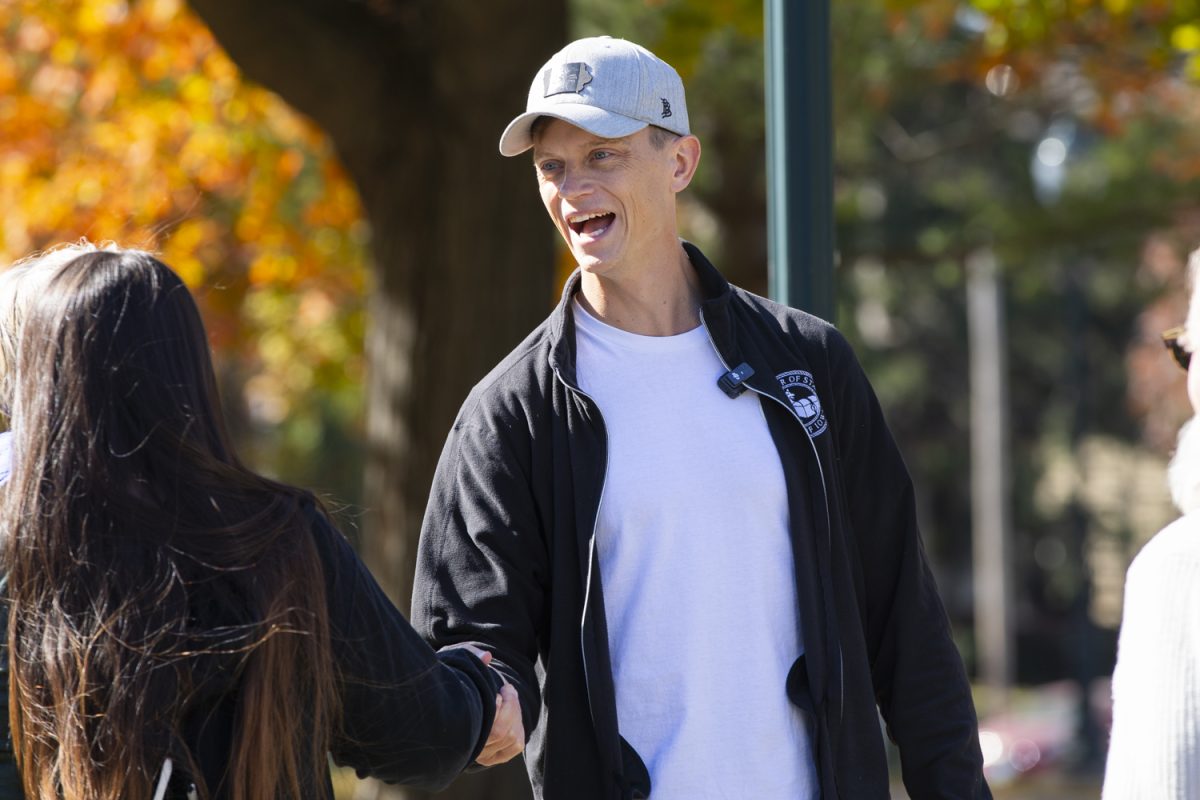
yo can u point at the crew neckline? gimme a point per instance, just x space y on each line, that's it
586 322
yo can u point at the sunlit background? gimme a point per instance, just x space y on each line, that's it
1051 147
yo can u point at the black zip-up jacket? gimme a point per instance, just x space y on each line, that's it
407 715
507 560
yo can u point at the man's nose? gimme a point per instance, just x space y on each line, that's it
575 183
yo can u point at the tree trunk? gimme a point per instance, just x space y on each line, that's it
415 95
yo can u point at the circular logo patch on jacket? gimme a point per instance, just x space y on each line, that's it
801 392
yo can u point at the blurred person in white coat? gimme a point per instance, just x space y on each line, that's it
1155 748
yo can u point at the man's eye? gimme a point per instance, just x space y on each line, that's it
547 166
601 154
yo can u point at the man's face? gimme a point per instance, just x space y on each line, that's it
613 200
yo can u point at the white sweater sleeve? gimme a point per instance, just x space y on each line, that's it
1155 748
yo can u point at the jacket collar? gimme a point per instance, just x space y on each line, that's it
716 294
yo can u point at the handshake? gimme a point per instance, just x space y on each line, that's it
507 737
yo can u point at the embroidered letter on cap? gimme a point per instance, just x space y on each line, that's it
567 78
666 108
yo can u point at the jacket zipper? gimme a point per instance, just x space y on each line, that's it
587 591
824 496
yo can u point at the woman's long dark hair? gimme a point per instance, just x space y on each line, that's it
151 577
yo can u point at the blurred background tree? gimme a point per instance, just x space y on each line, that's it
128 122
411 94
1055 138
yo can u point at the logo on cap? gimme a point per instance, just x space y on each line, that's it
666 108
566 78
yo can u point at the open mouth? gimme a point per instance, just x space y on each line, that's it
591 225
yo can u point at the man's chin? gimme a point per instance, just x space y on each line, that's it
593 264
1183 473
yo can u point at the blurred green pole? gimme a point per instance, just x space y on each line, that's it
799 155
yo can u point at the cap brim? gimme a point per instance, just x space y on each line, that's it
517 137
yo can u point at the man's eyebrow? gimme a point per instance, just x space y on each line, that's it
604 142
597 142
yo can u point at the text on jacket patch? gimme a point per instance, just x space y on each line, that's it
801 392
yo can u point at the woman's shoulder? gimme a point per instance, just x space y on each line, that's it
1167 569
1177 543
332 547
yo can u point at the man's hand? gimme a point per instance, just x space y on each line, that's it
507 737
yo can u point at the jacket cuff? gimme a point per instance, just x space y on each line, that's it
487 683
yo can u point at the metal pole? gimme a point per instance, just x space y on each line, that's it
990 511
799 155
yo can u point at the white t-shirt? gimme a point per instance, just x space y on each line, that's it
696 563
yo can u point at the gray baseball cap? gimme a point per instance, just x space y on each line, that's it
608 87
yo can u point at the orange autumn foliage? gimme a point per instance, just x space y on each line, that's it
1132 53
126 121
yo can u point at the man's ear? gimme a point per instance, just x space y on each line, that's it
686 153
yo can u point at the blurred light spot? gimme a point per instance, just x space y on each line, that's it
1002 80
933 240
236 111
992 746
1186 38
1048 164
33 36
871 316
64 52
162 12
872 201
88 193
93 17
315 309
971 19
1052 151
1191 70
290 162
1025 755
266 400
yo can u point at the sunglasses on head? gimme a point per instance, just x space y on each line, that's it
1183 357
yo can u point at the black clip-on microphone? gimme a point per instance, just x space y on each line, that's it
733 383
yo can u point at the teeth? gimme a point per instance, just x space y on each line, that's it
577 218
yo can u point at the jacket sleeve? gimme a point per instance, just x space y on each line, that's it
408 715
920 684
482 562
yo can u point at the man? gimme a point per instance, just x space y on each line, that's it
674 514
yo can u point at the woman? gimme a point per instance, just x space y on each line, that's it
176 622
1154 753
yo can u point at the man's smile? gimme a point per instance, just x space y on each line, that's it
591 224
